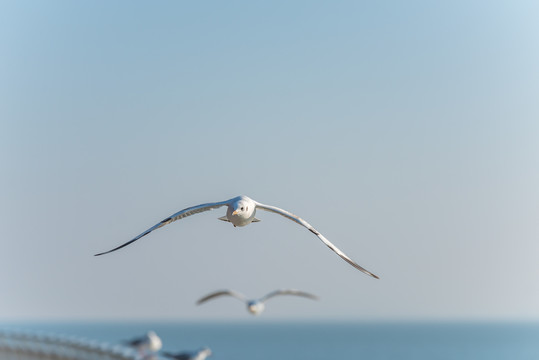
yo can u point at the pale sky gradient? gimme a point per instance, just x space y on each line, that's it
406 132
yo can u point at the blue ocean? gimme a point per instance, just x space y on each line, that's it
323 340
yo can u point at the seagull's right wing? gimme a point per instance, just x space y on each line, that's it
221 293
177 216
329 244
289 292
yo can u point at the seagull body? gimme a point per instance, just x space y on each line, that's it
241 211
255 306
201 354
149 342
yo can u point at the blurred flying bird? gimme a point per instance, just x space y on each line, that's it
255 306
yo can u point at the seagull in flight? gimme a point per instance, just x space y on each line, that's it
255 306
241 211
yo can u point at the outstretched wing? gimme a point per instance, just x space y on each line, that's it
288 292
177 216
304 223
221 293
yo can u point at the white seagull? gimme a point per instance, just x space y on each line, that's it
255 306
149 342
241 211
201 354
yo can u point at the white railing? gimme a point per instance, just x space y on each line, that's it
22 345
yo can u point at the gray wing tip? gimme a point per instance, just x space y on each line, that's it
363 270
202 300
369 273
123 245
104 252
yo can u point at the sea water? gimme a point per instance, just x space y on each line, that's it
322 340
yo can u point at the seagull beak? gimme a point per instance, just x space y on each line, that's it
235 212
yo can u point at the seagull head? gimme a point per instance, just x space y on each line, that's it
243 207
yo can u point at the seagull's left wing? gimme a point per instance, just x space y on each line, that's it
177 216
215 294
288 292
304 223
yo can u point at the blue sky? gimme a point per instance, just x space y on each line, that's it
406 133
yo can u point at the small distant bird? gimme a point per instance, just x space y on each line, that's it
255 306
241 211
149 342
201 354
